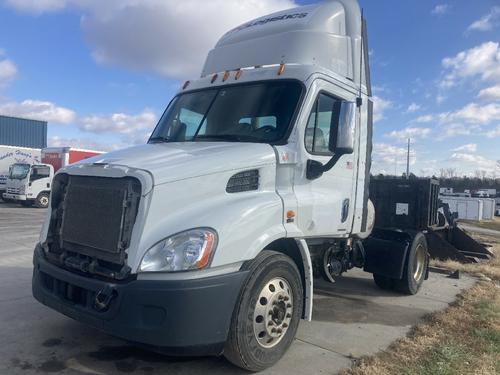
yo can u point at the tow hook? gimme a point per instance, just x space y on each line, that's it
103 298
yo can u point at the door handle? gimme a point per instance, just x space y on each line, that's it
345 210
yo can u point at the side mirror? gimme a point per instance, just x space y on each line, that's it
341 140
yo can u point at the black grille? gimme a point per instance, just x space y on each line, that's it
243 181
93 221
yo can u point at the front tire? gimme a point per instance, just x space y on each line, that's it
267 313
42 201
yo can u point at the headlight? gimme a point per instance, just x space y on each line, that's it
190 250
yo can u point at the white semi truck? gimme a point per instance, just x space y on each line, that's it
206 240
12 154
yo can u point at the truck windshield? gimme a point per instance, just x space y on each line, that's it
256 112
19 171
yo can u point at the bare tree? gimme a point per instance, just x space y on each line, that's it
450 172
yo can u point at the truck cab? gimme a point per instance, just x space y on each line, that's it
207 239
29 184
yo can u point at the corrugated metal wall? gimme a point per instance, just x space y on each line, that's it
23 132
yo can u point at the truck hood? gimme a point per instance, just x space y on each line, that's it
169 162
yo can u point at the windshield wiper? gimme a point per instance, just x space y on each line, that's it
228 137
160 139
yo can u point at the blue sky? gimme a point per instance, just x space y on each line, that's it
101 72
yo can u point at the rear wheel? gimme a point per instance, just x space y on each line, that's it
267 313
383 282
415 268
42 201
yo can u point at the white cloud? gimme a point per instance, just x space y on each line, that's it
413 133
454 130
413 107
387 156
487 22
473 113
389 153
424 119
470 147
494 133
166 37
379 107
482 61
475 161
490 93
38 110
36 6
440 9
8 72
132 128
84 143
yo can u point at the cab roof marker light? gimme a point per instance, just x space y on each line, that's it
238 74
214 77
226 76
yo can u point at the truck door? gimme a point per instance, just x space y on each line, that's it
325 204
39 180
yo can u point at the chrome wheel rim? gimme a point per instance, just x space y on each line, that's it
419 264
44 201
273 312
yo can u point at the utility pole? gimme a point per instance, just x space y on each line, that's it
408 161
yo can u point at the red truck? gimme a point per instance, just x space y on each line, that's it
60 157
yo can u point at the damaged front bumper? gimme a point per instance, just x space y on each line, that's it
178 317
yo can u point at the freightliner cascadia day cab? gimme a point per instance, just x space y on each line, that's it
30 184
206 240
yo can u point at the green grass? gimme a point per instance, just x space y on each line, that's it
443 359
464 339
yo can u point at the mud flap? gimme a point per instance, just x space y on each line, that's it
385 252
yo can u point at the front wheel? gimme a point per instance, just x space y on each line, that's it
267 313
42 201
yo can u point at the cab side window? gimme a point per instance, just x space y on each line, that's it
325 112
38 173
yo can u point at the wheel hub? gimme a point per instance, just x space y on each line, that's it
419 264
273 312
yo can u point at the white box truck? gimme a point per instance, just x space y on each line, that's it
12 154
29 184
206 240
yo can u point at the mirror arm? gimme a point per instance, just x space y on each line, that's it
315 169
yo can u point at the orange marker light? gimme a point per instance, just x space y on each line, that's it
214 77
290 214
226 76
238 74
207 251
281 70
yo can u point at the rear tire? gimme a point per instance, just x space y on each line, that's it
267 314
42 201
415 268
383 282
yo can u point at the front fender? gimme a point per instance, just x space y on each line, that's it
245 222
